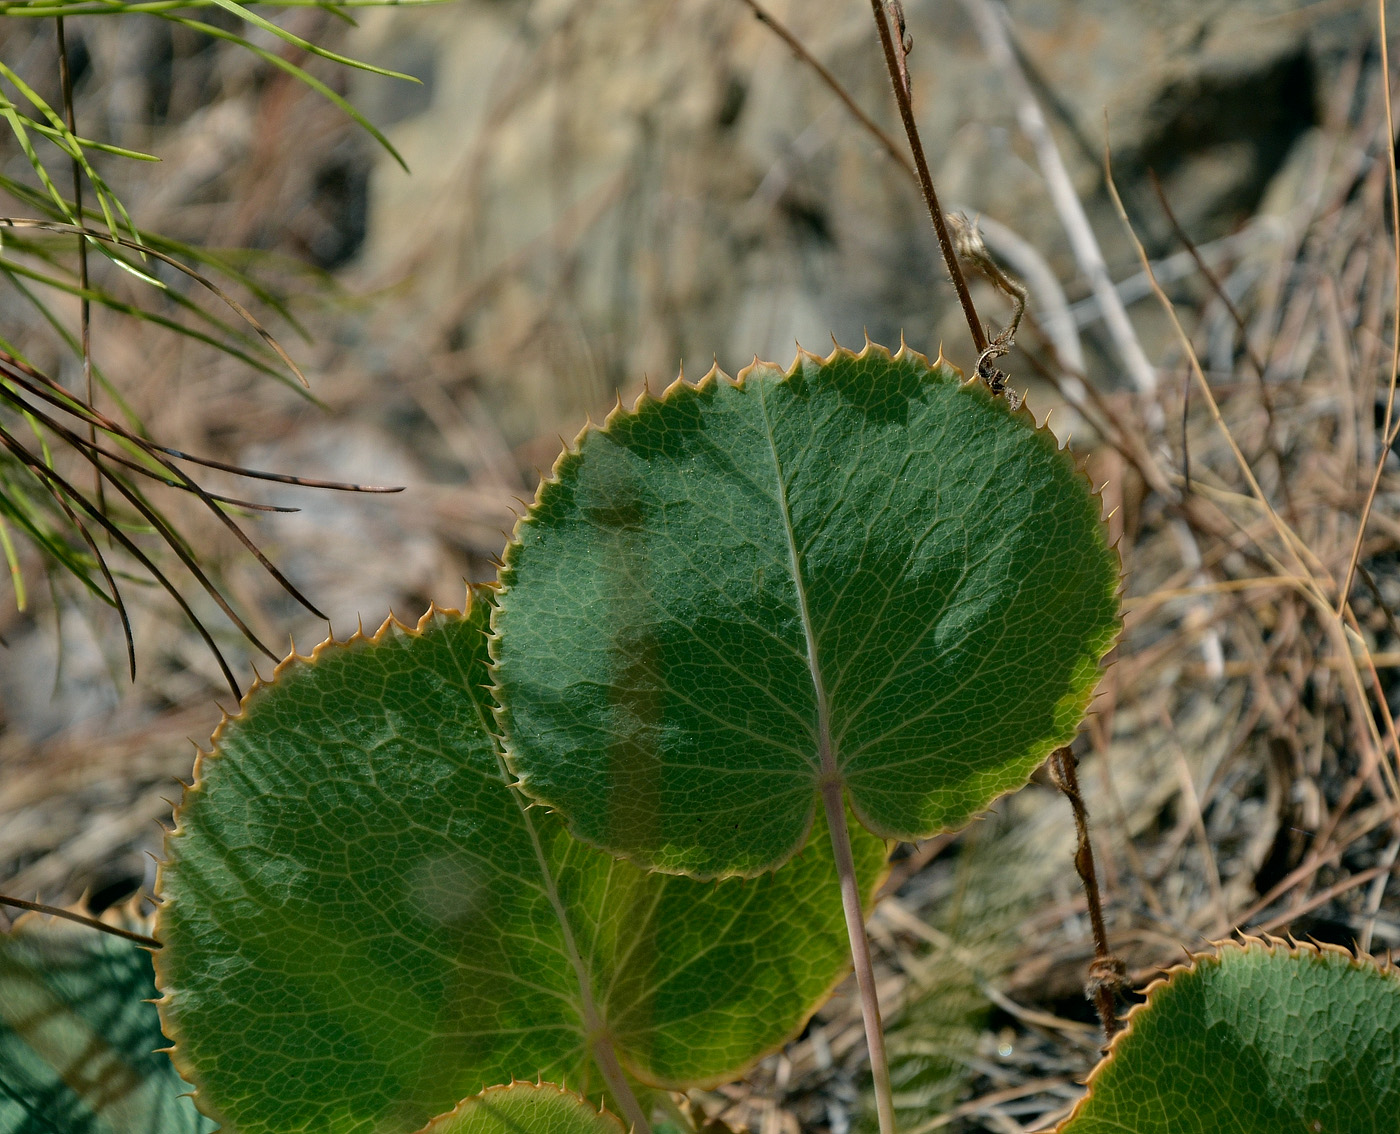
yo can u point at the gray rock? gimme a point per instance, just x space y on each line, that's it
603 189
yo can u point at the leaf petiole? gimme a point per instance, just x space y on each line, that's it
833 801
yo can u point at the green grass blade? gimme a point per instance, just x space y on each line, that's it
72 149
97 295
12 561
46 9
22 137
251 17
61 139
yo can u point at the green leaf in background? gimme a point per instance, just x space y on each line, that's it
1258 1039
362 922
525 1108
80 1040
864 563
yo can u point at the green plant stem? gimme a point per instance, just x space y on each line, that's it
893 63
834 802
65 77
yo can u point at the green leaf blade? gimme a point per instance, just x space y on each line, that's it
1259 1039
359 931
663 602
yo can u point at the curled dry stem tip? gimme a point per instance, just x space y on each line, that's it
972 250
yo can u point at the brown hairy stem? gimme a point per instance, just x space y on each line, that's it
1107 973
899 77
80 919
783 32
894 62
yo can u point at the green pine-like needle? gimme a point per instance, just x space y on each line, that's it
80 1040
525 1108
1258 1039
362 922
864 558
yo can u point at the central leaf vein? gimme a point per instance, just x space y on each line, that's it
825 756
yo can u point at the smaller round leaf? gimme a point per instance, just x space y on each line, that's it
363 924
1259 1038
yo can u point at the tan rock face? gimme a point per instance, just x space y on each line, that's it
602 188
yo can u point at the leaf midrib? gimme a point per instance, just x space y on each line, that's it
826 756
594 1026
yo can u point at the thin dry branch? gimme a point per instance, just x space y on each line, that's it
80 919
894 63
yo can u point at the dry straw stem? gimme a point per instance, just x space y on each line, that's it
989 18
1387 434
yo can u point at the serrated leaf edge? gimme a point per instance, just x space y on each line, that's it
435 1124
680 387
391 625
1244 943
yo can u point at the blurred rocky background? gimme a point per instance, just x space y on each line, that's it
601 193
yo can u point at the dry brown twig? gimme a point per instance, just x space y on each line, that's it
1107 974
1388 434
894 63
80 919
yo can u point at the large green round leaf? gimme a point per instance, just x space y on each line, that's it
525 1108
363 924
864 569
80 1042
1259 1039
